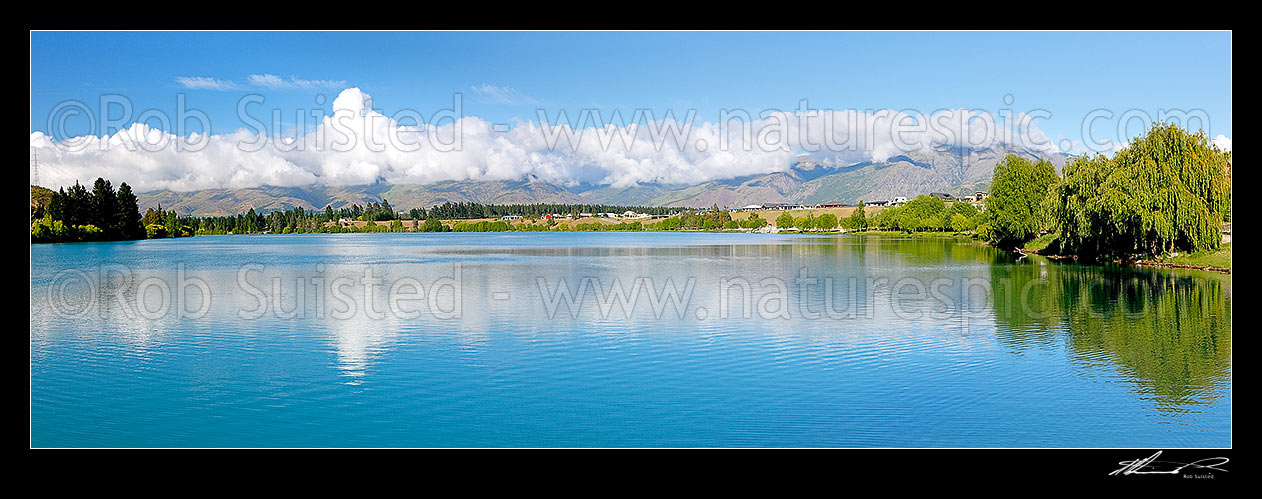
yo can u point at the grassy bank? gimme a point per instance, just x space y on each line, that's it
1218 259
1038 244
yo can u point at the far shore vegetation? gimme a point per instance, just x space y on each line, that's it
1162 200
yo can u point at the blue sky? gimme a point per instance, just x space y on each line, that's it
1116 82
1068 74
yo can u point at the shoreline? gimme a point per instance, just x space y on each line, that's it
1147 263
866 233
1136 263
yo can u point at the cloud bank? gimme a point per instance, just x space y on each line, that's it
359 145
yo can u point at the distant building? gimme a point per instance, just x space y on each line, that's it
899 200
782 206
876 203
942 195
751 207
980 195
511 217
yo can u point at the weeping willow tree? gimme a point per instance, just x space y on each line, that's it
1018 198
1166 191
1081 227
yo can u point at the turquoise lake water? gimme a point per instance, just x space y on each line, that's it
466 339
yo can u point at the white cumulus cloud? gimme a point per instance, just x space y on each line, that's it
1223 142
359 145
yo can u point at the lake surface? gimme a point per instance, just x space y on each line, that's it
768 340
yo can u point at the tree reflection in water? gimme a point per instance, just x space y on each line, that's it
1169 330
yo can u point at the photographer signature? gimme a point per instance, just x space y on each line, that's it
1149 466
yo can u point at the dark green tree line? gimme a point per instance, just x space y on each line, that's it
100 215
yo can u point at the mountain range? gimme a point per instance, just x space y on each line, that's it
953 170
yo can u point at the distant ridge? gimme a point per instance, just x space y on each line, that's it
957 171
